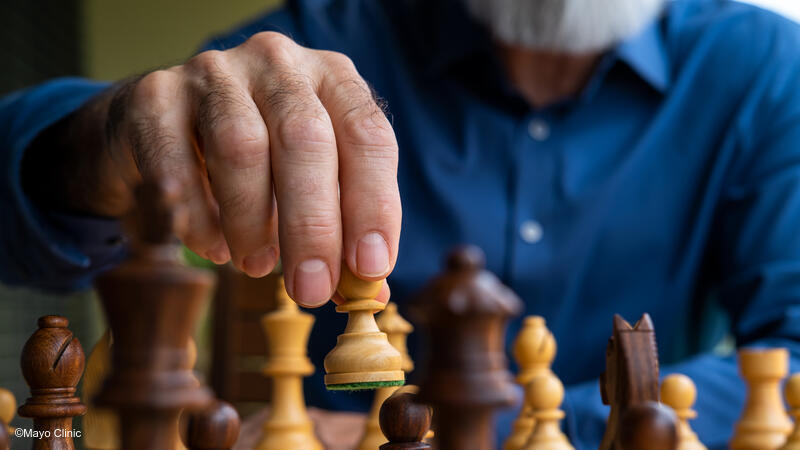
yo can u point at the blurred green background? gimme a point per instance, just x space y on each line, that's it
105 40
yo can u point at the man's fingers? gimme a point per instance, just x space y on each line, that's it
370 199
159 134
305 171
236 145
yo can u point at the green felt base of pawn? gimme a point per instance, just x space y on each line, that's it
364 386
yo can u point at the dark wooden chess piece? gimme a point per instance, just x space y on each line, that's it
630 382
405 422
216 428
649 426
152 302
5 439
464 312
52 364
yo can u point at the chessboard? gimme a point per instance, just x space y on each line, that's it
139 389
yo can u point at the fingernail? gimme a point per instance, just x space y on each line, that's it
312 283
372 256
260 263
219 254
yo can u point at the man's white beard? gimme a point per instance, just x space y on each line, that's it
571 26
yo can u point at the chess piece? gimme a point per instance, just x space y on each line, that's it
52 364
5 438
544 395
648 426
363 357
151 302
763 423
215 428
679 393
100 426
397 330
287 329
464 313
8 405
534 351
631 375
792 394
404 421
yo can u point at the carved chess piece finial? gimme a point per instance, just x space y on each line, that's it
464 312
152 302
362 357
52 364
288 425
405 422
215 428
534 351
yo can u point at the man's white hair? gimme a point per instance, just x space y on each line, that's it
571 26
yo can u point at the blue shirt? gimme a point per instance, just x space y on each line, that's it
669 185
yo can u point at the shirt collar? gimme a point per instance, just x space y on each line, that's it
449 35
646 55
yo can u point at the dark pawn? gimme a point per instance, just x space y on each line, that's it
649 426
52 364
5 439
405 422
216 428
464 312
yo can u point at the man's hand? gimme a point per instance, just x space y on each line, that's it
280 150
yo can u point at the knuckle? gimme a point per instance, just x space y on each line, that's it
243 147
236 203
305 128
275 46
154 93
208 62
314 227
367 126
339 62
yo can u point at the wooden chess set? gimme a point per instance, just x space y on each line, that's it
140 392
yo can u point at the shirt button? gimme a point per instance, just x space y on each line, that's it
531 231
539 130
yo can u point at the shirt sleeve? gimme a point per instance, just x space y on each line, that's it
38 247
753 254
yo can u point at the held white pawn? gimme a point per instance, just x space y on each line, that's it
679 393
792 394
534 352
544 394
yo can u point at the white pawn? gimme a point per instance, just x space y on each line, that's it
764 424
8 407
544 395
534 352
679 393
792 394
